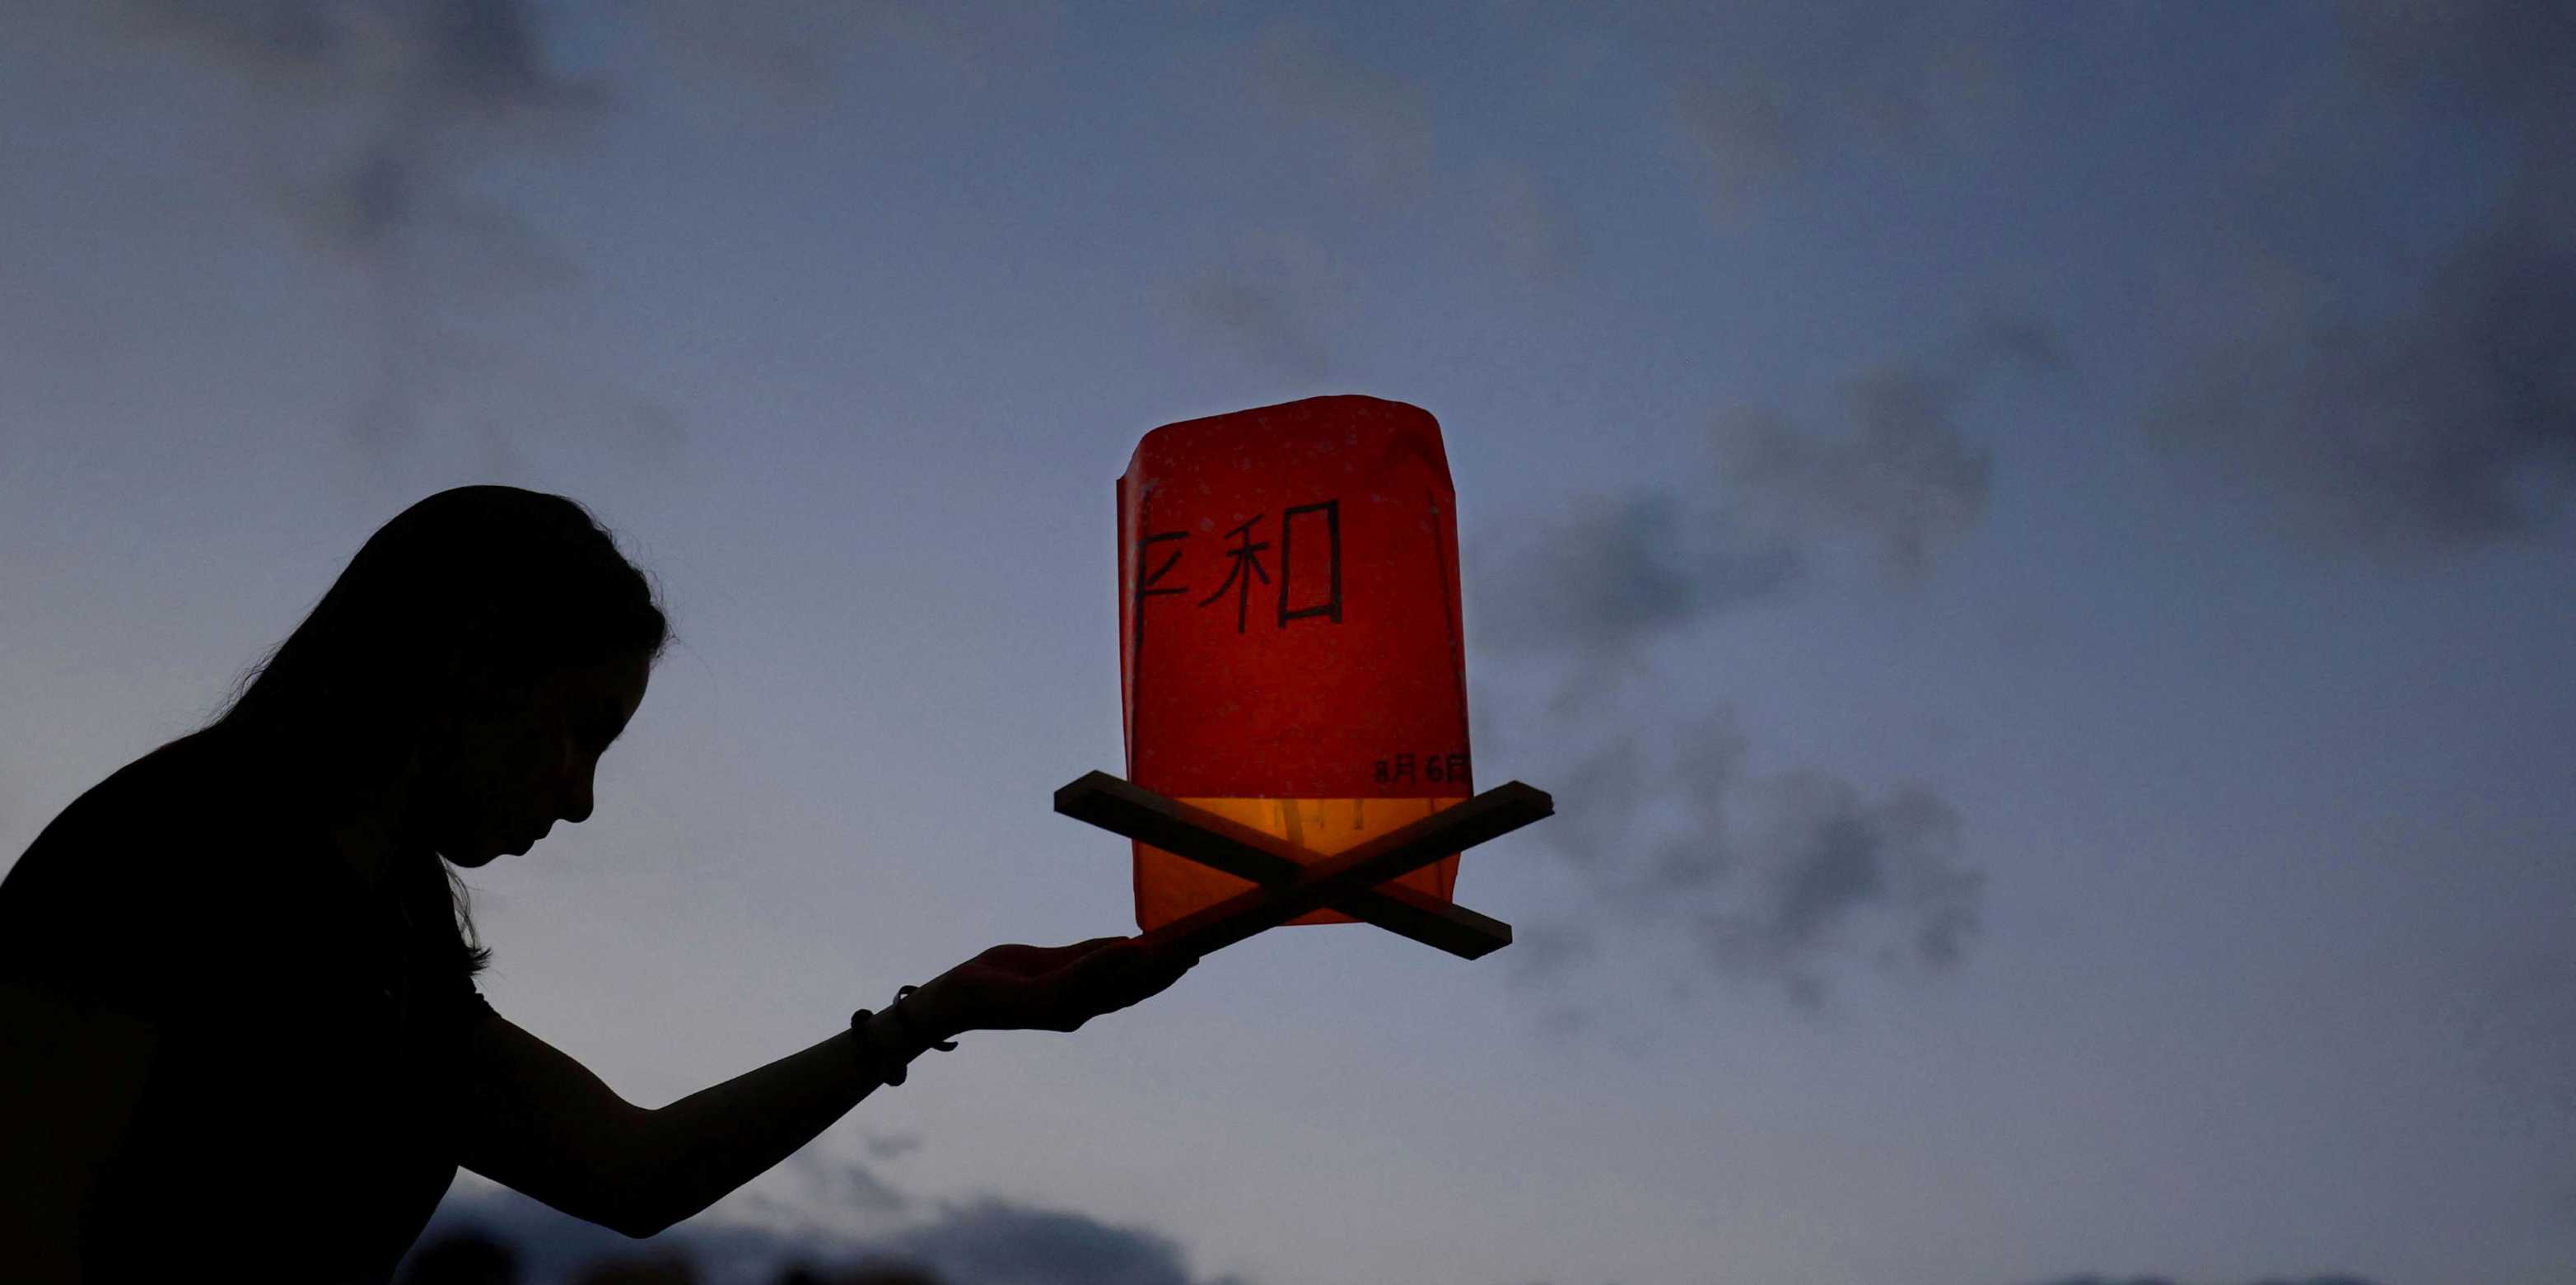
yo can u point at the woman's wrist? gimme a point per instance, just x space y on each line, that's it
888 1039
918 1016
884 1036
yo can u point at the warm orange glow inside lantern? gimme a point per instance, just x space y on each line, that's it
1291 656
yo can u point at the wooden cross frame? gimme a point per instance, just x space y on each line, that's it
1290 880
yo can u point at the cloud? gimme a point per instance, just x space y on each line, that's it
995 1242
1744 132
1375 123
822 1194
481 56
1831 872
764 63
2508 57
1609 574
1541 950
1763 93
892 1145
1787 878
1903 481
1270 298
387 108
1347 116
550 1246
2444 421
1530 234
2013 340
854 1187
1780 879
2450 427
368 125
982 1241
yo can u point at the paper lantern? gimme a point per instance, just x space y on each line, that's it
1289 621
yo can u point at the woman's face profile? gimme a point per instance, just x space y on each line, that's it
515 769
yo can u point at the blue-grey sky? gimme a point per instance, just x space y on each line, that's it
2030 544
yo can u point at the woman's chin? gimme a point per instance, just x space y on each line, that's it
474 858
482 850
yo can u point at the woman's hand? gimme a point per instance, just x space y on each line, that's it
1041 988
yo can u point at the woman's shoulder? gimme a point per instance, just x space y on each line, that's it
198 789
134 874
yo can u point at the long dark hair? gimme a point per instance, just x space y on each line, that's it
454 606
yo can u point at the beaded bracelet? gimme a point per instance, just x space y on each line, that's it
877 1063
896 1008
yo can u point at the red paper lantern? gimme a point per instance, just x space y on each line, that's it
1288 613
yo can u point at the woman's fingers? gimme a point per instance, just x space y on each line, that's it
1117 977
1057 988
1032 961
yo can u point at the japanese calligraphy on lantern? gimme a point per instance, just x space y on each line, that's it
1288 615
1244 564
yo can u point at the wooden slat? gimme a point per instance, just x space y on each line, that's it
1338 880
1262 858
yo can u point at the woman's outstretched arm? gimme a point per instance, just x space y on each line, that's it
541 1123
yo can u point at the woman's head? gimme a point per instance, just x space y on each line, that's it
478 652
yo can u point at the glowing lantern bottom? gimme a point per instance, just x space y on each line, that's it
1168 887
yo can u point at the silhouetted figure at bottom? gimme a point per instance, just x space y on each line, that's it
236 976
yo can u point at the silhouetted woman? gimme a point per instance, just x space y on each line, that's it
237 1018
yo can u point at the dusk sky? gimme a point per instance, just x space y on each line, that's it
2030 545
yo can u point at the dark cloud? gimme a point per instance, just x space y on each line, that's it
551 1246
392 104
649 1267
2446 421
1764 92
993 1242
1607 574
854 1187
1614 571
2450 427
1531 234
1835 872
1351 116
988 1241
1374 121
1262 318
892 1145
765 63
472 54
1743 130
1904 481
826 1192
424 85
1269 299
1783 878
2506 57
1780 879
1542 950
2014 340
373 121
